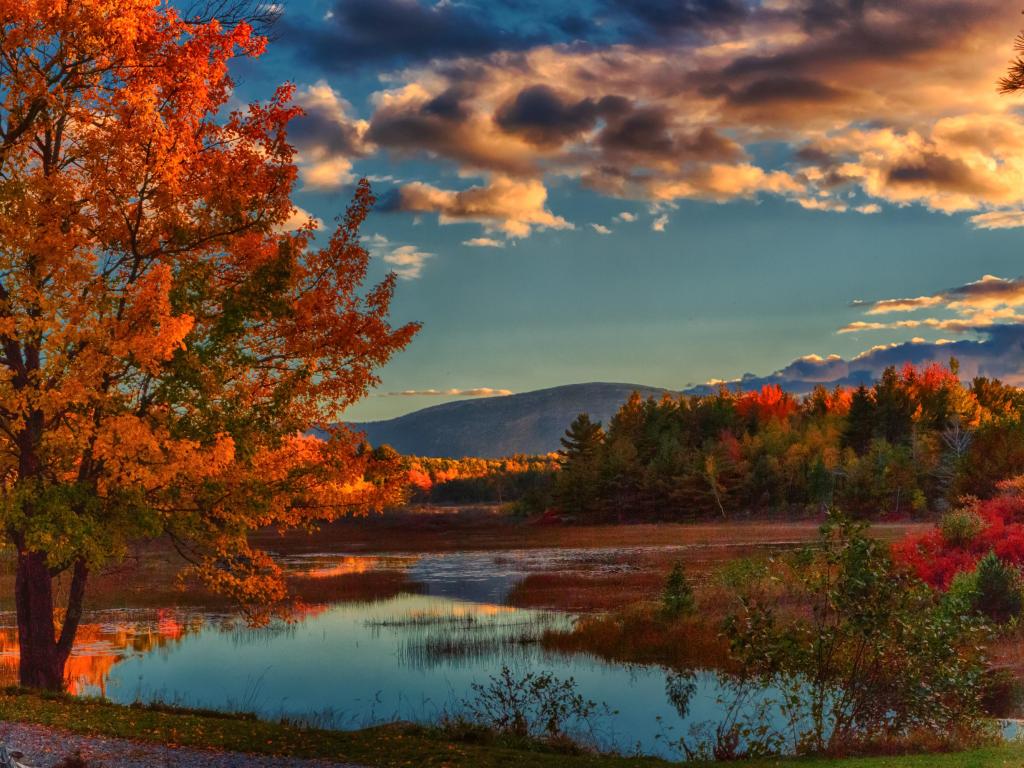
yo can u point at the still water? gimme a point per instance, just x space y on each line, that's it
410 657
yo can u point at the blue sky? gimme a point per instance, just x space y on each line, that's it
666 192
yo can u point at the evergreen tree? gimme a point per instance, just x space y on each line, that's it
677 597
894 409
860 423
583 439
579 482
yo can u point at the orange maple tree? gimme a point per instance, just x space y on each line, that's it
165 342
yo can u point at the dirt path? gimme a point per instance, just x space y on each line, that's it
45 747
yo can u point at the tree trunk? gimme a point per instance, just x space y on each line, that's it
42 654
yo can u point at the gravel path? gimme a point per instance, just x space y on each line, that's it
44 747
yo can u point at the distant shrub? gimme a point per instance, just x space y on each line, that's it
73 761
997 594
740 574
677 597
961 527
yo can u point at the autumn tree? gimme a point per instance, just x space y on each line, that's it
165 341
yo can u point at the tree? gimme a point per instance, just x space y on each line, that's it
860 422
578 481
894 409
165 340
582 439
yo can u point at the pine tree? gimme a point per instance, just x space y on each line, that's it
894 408
579 486
582 439
860 423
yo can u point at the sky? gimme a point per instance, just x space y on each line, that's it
667 192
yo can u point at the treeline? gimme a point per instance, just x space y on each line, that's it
527 480
917 440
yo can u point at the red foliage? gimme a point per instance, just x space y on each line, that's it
936 560
772 402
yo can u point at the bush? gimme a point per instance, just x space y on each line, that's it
677 597
878 662
997 589
935 560
535 706
961 527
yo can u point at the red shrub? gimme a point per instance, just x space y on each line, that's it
936 560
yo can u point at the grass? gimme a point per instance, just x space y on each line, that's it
639 635
446 529
390 746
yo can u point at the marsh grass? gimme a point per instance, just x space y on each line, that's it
428 639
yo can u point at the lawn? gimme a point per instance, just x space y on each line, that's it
384 747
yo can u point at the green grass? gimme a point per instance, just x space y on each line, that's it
385 746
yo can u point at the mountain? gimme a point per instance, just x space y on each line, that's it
491 427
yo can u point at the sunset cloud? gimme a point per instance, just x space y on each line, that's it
999 220
510 206
327 138
663 102
987 294
474 392
998 353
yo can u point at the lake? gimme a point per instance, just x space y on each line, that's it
349 665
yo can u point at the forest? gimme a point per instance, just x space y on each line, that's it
914 442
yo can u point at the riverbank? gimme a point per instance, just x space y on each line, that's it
391 746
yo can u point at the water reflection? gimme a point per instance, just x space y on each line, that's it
105 639
348 665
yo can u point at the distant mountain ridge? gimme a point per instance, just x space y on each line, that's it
492 427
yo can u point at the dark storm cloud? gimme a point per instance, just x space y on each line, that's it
772 90
318 127
372 32
666 17
644 130
649 131
842 38
939 171
543 116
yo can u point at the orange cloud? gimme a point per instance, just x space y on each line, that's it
510 206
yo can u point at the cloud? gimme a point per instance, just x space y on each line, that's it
659 224
903 305
973 307
601 229
474 392
511 206
299 218
999 220
407 260
484 242
545 117
357 33
869 103
670 98
998 353
985 295
327 138
626 216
